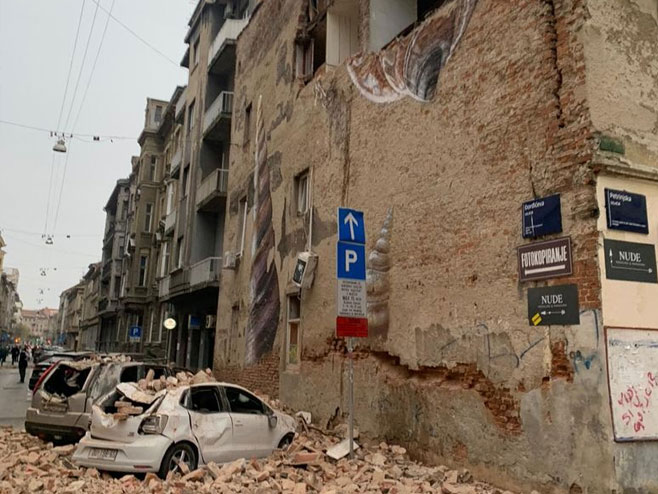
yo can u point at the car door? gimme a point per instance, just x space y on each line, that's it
252 434
211 423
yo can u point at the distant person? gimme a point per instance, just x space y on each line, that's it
3 355
15 352
23 357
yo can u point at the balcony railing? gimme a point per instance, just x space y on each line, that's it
221 107
213 186
176 161
180 104
206 271
227 34
163 289
170 221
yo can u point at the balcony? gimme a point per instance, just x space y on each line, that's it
176 162
217 119
211 194
222 49
180 106
206 271
170 222
163 288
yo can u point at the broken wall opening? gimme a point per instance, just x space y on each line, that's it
66 381
392 18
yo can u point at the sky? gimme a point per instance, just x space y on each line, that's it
36 46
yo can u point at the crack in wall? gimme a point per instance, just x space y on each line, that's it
554 39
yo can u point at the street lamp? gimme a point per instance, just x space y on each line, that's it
60 147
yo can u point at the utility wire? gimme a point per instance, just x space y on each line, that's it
43 129
32 233
137 35
68 78
82 66
61 188
50 189
93 68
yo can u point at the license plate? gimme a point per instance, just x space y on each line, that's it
103 454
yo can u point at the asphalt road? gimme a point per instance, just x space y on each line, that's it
14 396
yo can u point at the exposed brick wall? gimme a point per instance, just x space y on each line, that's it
262 378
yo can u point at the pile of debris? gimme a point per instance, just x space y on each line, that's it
28 465
135 398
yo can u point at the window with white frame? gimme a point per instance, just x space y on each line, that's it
293 333
143 270
153 170
242 226
302 192
164 267
148 217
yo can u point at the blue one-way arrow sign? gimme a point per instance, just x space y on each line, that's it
351 226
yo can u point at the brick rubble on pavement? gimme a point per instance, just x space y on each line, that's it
28 465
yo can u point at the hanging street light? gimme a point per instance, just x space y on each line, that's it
60 147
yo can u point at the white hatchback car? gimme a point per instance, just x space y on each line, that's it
195 424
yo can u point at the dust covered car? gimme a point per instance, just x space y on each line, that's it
61 402
180 428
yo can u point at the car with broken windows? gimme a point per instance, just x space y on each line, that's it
61 404
49 360
180 429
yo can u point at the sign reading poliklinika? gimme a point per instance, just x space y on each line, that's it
542 216
626 211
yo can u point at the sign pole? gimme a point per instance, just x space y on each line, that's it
350 349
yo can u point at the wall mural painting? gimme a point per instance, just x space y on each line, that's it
378 284
264 304
410 66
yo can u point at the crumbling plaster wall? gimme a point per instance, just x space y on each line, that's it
460 377
620 39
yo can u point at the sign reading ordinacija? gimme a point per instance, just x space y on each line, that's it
542 260
542 216
626 211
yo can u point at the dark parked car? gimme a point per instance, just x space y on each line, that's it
43 365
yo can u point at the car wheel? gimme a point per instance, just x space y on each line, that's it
178 454
285 442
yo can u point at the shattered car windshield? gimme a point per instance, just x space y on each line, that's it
67 381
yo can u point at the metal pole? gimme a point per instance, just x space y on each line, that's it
350 348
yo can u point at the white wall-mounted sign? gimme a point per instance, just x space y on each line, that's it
633 381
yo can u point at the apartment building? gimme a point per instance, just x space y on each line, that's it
439 120
42 323
114 244
89 320
2 253
191 287
69 316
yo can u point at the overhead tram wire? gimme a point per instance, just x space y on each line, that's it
68 117
61 111
43 129
82 67
68 77
142 40
93 68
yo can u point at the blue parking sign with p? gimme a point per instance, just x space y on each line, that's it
351 261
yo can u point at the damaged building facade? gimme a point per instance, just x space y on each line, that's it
439 119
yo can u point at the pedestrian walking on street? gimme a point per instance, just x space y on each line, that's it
22 363
3 355
15 352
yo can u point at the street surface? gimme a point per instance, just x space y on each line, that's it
14 396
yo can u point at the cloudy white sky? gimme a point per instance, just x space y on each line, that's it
36 42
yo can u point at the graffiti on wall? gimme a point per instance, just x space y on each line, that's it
378 284
264 304
410 66
633 380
